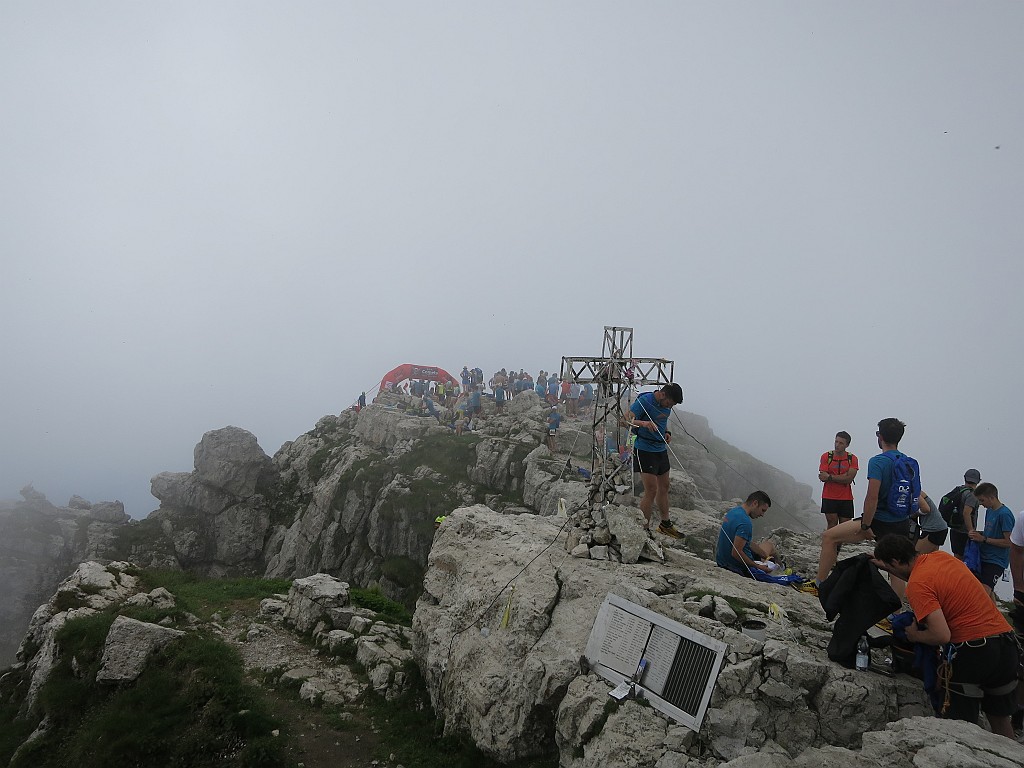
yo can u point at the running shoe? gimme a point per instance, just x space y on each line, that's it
807 587
668 528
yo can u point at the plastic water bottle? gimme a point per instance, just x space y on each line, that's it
863 653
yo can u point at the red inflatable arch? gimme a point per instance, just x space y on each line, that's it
409 371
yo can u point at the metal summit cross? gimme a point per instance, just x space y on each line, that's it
615 373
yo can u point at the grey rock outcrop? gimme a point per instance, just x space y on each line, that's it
90 588
42 545
312 600
726 472
214 520
355 497
128 647
908 743
515 688
319 606
231 460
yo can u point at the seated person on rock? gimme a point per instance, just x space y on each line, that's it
736 549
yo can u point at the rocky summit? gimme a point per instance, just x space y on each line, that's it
488 536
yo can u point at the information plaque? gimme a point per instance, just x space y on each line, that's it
671 665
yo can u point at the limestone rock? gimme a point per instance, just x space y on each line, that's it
724 612
310 599
337 638
601 535
108 512
271 608
42 544
128 646
782 691
624 525
359 624
231 460
929 741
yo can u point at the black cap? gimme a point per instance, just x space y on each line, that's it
972 476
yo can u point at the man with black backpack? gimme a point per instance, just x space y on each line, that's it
894 486
959 508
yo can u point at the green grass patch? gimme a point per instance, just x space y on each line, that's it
204 597
365 476
190 707
318 462
450 455
285 501
386 609
67 600
13 730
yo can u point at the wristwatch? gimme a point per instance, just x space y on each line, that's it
864 526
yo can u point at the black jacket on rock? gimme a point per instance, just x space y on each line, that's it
860 596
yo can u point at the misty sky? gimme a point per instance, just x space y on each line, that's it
245 213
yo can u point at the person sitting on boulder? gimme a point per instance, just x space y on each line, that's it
429 405
736 550
554 421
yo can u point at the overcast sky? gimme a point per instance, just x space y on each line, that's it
245 213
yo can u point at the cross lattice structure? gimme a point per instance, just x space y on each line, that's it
615 373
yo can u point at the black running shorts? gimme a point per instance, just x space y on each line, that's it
841 508
900 528
650 462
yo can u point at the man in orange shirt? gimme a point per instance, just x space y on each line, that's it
836 470
952 607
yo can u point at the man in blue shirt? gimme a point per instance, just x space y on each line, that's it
876 520
554 421
648 418
994 542
474 402
587 398
553 389
736 550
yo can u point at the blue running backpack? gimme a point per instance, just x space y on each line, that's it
905 488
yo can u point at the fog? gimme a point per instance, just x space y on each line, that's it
245 213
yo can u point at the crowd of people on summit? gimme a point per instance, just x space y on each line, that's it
951 596
459 404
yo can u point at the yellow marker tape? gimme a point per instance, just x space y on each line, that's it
508 609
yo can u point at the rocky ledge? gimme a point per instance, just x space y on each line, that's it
518 686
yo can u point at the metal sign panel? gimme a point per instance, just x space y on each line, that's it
671 665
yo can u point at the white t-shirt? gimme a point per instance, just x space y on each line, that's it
1017 534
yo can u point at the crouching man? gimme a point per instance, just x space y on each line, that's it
736 549
953 610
